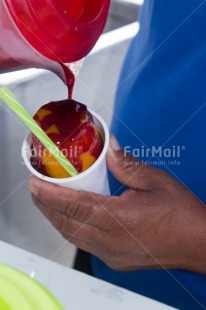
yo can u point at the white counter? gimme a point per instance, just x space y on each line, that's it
75 290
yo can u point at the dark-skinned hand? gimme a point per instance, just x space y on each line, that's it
157 223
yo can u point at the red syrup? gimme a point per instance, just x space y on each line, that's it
69 79
71 127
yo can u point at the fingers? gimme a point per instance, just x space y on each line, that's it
78 205
127 169
83 235
68 226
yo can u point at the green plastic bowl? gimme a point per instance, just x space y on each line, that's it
19 292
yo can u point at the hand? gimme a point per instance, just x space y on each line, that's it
157 223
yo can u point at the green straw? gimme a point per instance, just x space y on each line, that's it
26 118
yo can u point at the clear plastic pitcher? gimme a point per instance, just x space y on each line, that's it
43 34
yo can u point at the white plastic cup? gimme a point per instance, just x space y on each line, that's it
94 179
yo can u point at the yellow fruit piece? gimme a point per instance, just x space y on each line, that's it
87 161
42 113
52 129
52 166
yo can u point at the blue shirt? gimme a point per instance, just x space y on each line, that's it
161 102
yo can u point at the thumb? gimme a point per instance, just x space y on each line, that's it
127 169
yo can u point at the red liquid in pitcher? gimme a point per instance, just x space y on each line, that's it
43 34
61 30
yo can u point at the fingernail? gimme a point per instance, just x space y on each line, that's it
33 186
114 144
